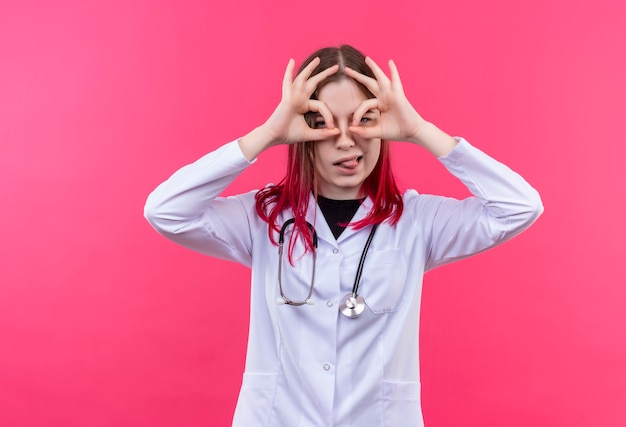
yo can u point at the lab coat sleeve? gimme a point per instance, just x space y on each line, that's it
186 207
502 206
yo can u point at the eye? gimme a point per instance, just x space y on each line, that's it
319 123
368 120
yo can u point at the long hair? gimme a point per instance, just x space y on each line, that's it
293 191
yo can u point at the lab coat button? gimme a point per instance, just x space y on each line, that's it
329 303
335 251
327 367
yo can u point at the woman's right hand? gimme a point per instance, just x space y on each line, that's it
287 124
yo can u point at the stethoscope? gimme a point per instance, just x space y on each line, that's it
353 304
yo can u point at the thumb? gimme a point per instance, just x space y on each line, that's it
365 132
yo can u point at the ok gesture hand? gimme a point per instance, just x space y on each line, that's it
287 124
398 119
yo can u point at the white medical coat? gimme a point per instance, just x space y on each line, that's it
309 365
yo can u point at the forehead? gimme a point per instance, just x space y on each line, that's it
341 96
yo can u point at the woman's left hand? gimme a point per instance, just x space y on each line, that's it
399 121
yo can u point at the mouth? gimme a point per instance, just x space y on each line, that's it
348 162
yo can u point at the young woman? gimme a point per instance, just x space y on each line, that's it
337 252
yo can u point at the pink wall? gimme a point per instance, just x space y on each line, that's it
105 323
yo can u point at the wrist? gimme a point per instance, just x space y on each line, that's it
421 132
433 139
255 142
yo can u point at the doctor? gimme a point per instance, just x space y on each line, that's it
337 251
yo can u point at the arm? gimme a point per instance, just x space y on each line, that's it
186 208
503 205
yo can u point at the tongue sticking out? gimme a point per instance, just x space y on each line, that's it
350 164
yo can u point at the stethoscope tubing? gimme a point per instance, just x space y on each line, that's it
281 241
359 271
352 304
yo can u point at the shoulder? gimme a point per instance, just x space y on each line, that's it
420 207
413 199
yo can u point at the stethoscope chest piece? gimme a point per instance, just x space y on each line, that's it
352 306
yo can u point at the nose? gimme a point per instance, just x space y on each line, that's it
345 139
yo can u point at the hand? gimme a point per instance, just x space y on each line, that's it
398 121
287 124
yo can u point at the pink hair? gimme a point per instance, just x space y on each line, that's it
293 191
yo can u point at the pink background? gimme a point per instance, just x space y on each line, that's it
105 323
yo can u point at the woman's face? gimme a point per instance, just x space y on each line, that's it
343 162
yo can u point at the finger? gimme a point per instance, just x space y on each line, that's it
320 134
370 83
312 83
364 107
304 75
366 132
322 109
378 73
288 77
395 75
